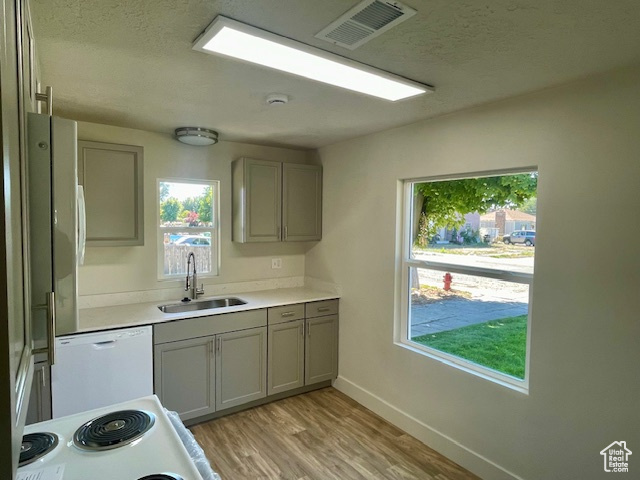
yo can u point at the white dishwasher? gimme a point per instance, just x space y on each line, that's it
95 370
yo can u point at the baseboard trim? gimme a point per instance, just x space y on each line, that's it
443 444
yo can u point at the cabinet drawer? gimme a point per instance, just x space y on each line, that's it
285 313
319 309
210 325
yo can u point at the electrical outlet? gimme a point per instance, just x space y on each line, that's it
276 263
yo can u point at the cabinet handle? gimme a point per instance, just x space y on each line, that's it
44 377
218 342
211 347
323 309
287 314
308 327
302 331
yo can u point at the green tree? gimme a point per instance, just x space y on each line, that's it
530 206
205 210
170 209
164 191
443 204
192 204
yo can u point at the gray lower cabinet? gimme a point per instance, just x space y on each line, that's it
286 356
321 349
40 400
210 364
184 376
241 370
303 345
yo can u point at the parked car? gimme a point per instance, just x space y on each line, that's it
193 240
528 237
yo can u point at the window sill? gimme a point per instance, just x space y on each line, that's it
468 367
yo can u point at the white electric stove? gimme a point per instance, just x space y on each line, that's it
127 441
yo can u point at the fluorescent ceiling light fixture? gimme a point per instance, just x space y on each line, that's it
228 37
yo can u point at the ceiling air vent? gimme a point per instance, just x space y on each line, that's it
366 20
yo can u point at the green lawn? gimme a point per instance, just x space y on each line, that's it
499 344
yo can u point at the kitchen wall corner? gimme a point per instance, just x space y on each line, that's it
132 270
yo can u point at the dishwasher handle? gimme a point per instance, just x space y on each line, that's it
105 344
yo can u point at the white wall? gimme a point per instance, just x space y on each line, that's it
128 269
585 351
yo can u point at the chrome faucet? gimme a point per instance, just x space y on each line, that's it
192 283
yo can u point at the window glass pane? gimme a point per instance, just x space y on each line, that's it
186 220
186 204
476 221
482 320
177 245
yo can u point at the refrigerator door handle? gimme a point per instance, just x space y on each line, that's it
51 327
82 225
46 97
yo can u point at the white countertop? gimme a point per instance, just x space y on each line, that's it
120 316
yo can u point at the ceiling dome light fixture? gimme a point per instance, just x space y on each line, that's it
277 99
196 136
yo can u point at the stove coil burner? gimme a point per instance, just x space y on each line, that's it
35 446
162 476
113 430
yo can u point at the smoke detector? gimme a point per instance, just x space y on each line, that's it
277 99
365 21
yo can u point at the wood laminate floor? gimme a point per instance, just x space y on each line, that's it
318 435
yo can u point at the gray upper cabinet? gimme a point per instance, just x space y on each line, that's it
257 200
112 177
301 202
274 201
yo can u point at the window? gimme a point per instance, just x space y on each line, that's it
187 222
467 270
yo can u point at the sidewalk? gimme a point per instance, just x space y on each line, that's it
456 313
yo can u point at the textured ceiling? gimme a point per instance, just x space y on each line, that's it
130 63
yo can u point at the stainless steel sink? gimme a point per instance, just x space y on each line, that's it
201 305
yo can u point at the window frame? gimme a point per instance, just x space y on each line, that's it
403 273
214 229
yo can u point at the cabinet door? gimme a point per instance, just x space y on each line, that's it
301 202
40 399
285 357
113 190
262 200
184 376
28 59
321 349
15 334
241 370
